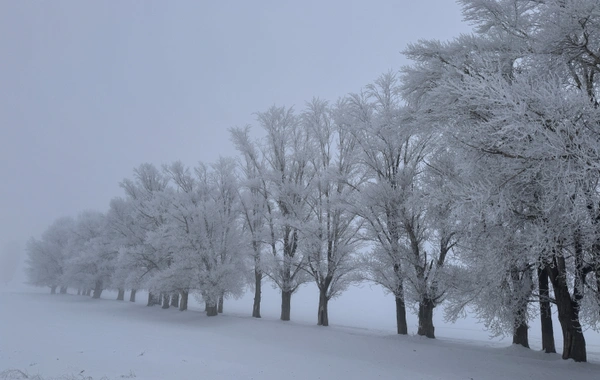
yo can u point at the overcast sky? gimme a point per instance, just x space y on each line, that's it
89 90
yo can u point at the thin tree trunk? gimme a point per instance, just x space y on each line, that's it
211 309
88 292
257 289
121 295
175 299
286 304
426 327
401 324
323 315
257 293
183 302
78 291
220 305
63 290
546 313
53 289
165 301
97 290
132 295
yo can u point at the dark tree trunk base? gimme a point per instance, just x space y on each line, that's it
401 324
426 327
165 301
97 290
322 313
220 305
53 290
132 295
63 290
211 310
183 302
175 299
568 316
121 295
257 293
521 336
286 305
152 299
546 313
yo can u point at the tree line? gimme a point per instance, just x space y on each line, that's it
470 178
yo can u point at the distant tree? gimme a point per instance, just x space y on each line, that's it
90 258
46 256
142 260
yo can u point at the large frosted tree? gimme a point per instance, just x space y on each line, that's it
522 91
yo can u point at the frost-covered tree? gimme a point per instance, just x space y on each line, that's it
124 233
202 233
90 258
143 260
46 256
522 92
255 207
392 203
284 167
330 236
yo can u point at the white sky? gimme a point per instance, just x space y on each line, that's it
89 90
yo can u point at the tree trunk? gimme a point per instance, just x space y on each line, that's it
132 295
152 299
175 299
121 295
183 301
165 301
97 290
520 334
546 313
78 291
257 293
323 315
63 290
426 327
401 324
53 290
568 314
211 309
220 305
286 304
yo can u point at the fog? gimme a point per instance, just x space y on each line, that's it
91 90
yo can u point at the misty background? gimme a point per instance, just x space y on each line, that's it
92 89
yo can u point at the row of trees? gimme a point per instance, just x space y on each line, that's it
471 179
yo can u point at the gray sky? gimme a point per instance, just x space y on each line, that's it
89 90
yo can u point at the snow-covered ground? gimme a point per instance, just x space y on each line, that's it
76 337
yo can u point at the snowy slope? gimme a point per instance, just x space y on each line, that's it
78 336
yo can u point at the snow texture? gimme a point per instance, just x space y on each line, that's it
77 337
